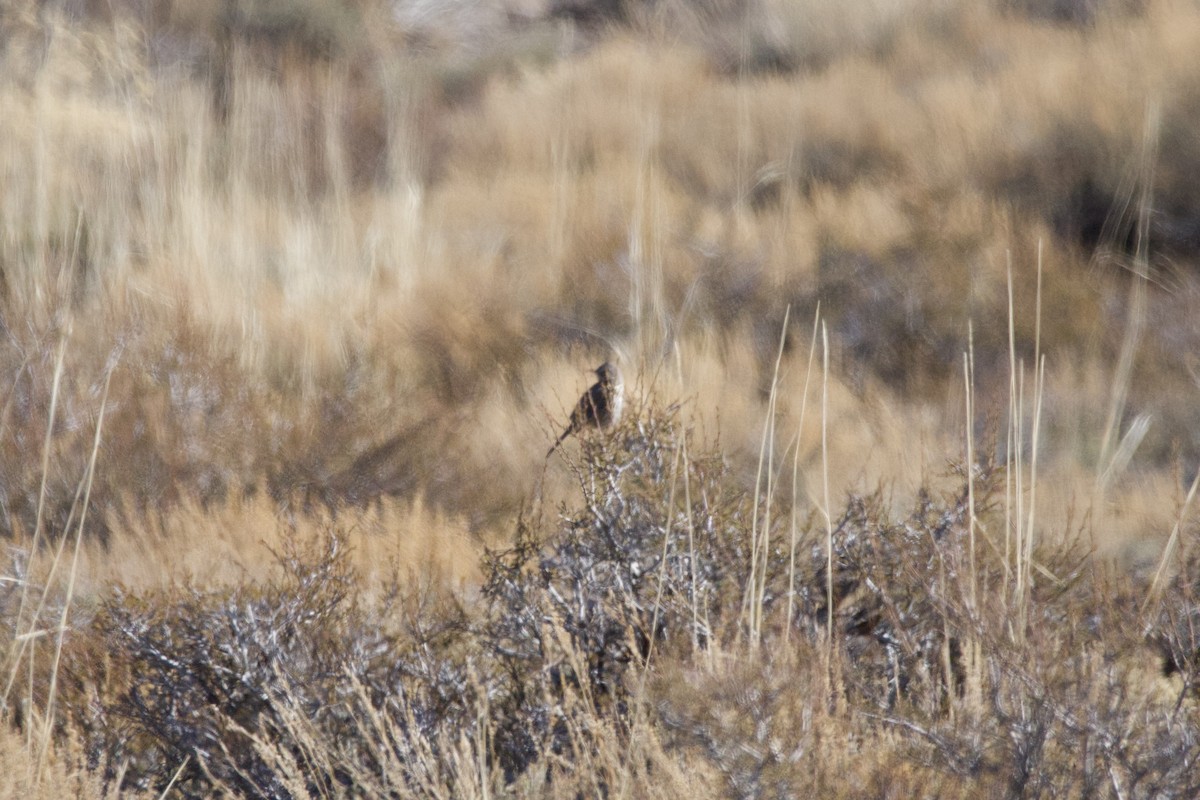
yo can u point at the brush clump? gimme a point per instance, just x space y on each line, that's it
607 644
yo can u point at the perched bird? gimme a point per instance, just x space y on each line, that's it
600 405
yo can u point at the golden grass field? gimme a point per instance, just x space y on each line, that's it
295 294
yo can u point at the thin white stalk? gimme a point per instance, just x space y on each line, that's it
766 530
1010 435
825 492
1135 321
52 692
812 350
174 778
687 499
1019 487
1027 561
969 383
38 523
1172 542
1039 378
1037 319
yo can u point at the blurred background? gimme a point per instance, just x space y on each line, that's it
333 254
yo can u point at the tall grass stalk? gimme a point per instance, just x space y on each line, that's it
791 595
825 495
1169 550
760 536
1039 361
969 392
1012 484
1026 556
174 778
1135 320
1019 511
17 648
52 692
972 646
691 525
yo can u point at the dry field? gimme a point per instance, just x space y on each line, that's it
294 295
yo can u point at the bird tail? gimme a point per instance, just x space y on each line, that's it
565 434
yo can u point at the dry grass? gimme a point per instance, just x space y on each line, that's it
331 275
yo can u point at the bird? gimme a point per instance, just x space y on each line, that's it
600 406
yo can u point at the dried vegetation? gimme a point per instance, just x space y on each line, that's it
294 294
